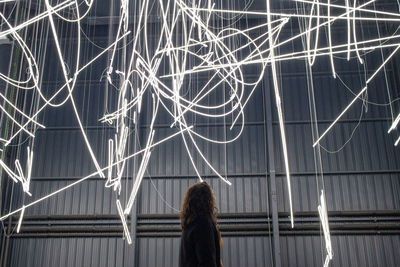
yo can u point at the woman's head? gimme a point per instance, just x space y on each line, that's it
199 201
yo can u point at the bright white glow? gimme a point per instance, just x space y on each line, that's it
280 115
10 173
323 214
327 260
188 46
110 182
357 96
92 175
21 177
20 219
397 141
395 123
140 174
124 224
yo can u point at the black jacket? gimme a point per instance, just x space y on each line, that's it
200 244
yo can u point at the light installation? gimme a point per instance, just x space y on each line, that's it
187 44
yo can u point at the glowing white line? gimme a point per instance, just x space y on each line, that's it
355 35
355 98
327 259
10 173
137 183
323 214
110 162
348 28
90 175
395 123
280 117
16 122
20 112
350 10
289 56
123 220
19 170
397 141
25 181
20 219
67 81
37 18
311 59
330 40
122 140
60 90
288 15
29 163
140 174
208 46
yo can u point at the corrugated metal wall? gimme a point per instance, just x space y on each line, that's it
80 226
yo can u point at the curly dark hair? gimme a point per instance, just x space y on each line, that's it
199 201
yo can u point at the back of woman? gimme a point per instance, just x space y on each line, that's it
201 240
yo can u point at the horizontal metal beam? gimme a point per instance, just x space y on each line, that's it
310 174
240 215
230 224
254 123
177 235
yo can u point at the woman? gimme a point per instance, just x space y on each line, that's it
201 241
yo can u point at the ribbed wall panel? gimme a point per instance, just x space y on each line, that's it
63 153
66 252
246 194
257 251
236 251
369 142
246 155
351 250
161 252
332 96
343 192
90 197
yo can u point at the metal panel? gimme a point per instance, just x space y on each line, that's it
88 198
332 96
369 143
161 252
247 194
351 250
343 192
246 251
49 252
236 251
244 156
